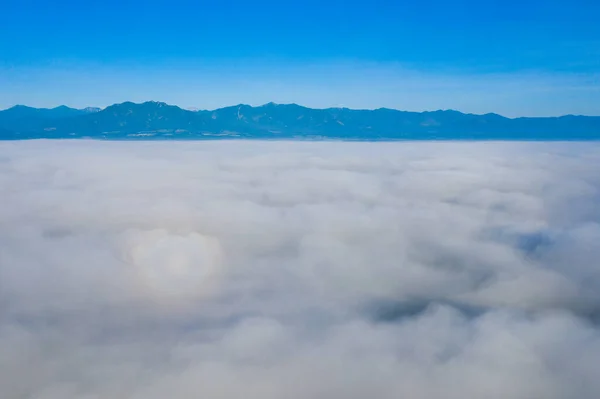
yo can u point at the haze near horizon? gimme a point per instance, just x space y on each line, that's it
534 58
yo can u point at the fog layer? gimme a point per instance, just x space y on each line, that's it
299 270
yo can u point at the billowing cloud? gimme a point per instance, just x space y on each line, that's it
299 270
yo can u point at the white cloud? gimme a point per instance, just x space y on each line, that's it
321 270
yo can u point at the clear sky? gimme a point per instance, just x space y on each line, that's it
511 57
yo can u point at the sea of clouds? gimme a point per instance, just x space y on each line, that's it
267 270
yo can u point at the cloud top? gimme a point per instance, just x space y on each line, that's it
299 270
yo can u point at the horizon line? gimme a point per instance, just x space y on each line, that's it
193 109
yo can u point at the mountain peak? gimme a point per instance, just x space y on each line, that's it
145 104
123 104
158 104
19 107
278 105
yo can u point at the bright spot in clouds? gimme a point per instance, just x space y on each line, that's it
171 265
299 270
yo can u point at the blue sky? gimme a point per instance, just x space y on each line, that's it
515 58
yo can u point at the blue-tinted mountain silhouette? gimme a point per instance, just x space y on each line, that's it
156 120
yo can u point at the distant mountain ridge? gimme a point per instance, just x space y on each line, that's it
158 120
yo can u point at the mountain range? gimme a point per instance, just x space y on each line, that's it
157 120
